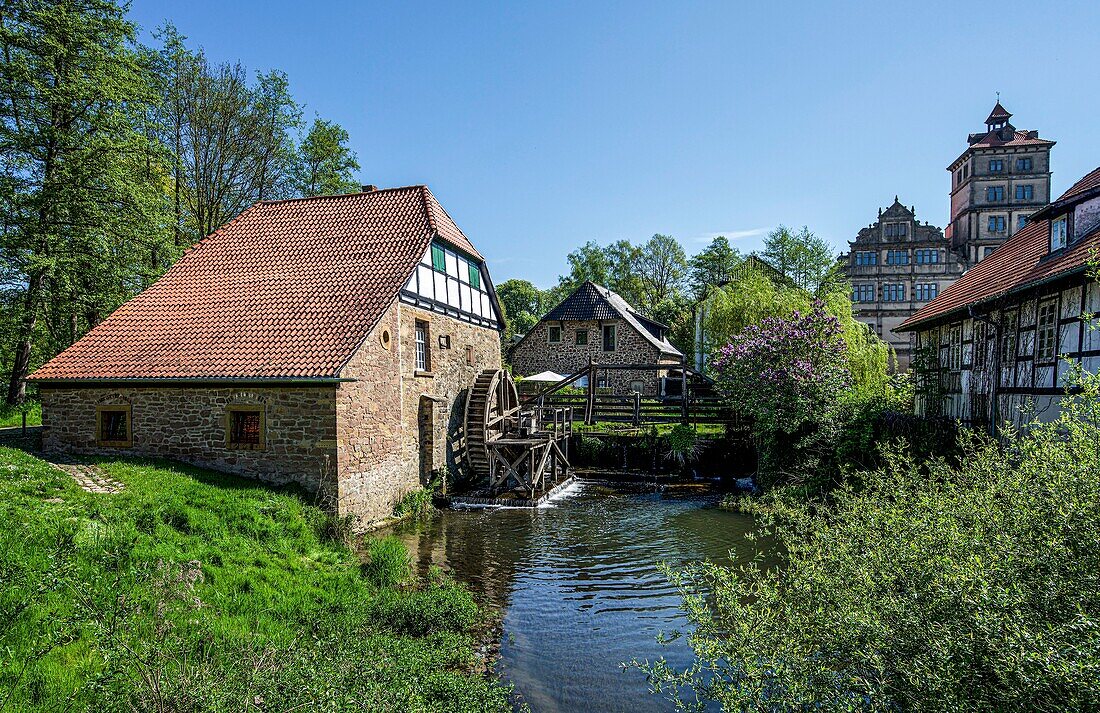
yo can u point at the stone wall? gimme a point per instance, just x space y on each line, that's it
366 441
188 424
535 354
396 425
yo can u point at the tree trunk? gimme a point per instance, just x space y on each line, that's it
17 385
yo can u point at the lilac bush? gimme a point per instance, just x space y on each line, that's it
789 376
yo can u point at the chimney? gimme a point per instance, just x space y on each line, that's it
369 188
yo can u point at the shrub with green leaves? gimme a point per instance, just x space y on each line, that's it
931 587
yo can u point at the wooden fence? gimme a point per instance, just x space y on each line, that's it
636 409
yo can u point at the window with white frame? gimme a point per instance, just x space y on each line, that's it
926 291
954 349
927 256
863 292
897 257
1058 234
1046 332
423 355
893 292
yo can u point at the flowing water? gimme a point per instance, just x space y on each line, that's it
578 586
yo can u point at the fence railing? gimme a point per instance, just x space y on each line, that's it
636 409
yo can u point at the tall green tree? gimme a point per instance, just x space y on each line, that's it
279 118
712 266
803 257
326 166
82 187
661 268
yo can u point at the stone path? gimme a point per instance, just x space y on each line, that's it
89 477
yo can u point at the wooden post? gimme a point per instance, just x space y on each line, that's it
684 391
24 423
637 409
590 407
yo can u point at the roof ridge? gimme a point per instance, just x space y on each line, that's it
329 196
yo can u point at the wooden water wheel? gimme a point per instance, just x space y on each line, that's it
491 409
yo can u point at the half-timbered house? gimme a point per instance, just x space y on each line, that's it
1001 343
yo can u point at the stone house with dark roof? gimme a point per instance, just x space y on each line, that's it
999 344
596 324
326 341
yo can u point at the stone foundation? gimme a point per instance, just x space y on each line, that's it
188 424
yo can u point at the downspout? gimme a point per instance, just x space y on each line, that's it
994 410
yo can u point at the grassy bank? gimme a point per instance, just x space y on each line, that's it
195 591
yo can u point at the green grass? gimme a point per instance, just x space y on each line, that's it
13 415
198 591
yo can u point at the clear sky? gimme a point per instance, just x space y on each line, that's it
541 126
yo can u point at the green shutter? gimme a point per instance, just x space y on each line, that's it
475 276
439 261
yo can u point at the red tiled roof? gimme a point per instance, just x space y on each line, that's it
287 289
1015 265
1018 138
1087 183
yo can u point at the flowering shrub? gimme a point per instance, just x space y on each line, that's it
788 376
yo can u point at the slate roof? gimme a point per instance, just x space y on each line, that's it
287 289
998 114
595 302
1023 261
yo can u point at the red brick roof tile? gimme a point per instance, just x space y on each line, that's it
1022 261
287 289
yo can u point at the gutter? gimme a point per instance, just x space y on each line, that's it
194 381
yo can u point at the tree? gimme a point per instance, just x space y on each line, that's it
279 116
713 266
788 375
523 305
803 257
661 268
589 262
81 183
326 166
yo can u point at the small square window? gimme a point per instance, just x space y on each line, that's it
996 165
444 341
113 426
1023 164
244 427
553 335
582 337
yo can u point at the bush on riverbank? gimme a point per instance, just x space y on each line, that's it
195 591
932 587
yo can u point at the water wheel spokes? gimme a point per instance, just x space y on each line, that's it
492 408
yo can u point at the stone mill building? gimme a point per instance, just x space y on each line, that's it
326 341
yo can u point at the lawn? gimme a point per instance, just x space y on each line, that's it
196 591
11 416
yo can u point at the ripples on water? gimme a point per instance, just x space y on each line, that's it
579 587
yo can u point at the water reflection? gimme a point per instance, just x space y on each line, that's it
579 587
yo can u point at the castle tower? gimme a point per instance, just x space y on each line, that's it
1002 177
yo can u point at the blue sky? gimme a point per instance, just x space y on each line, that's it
541 126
